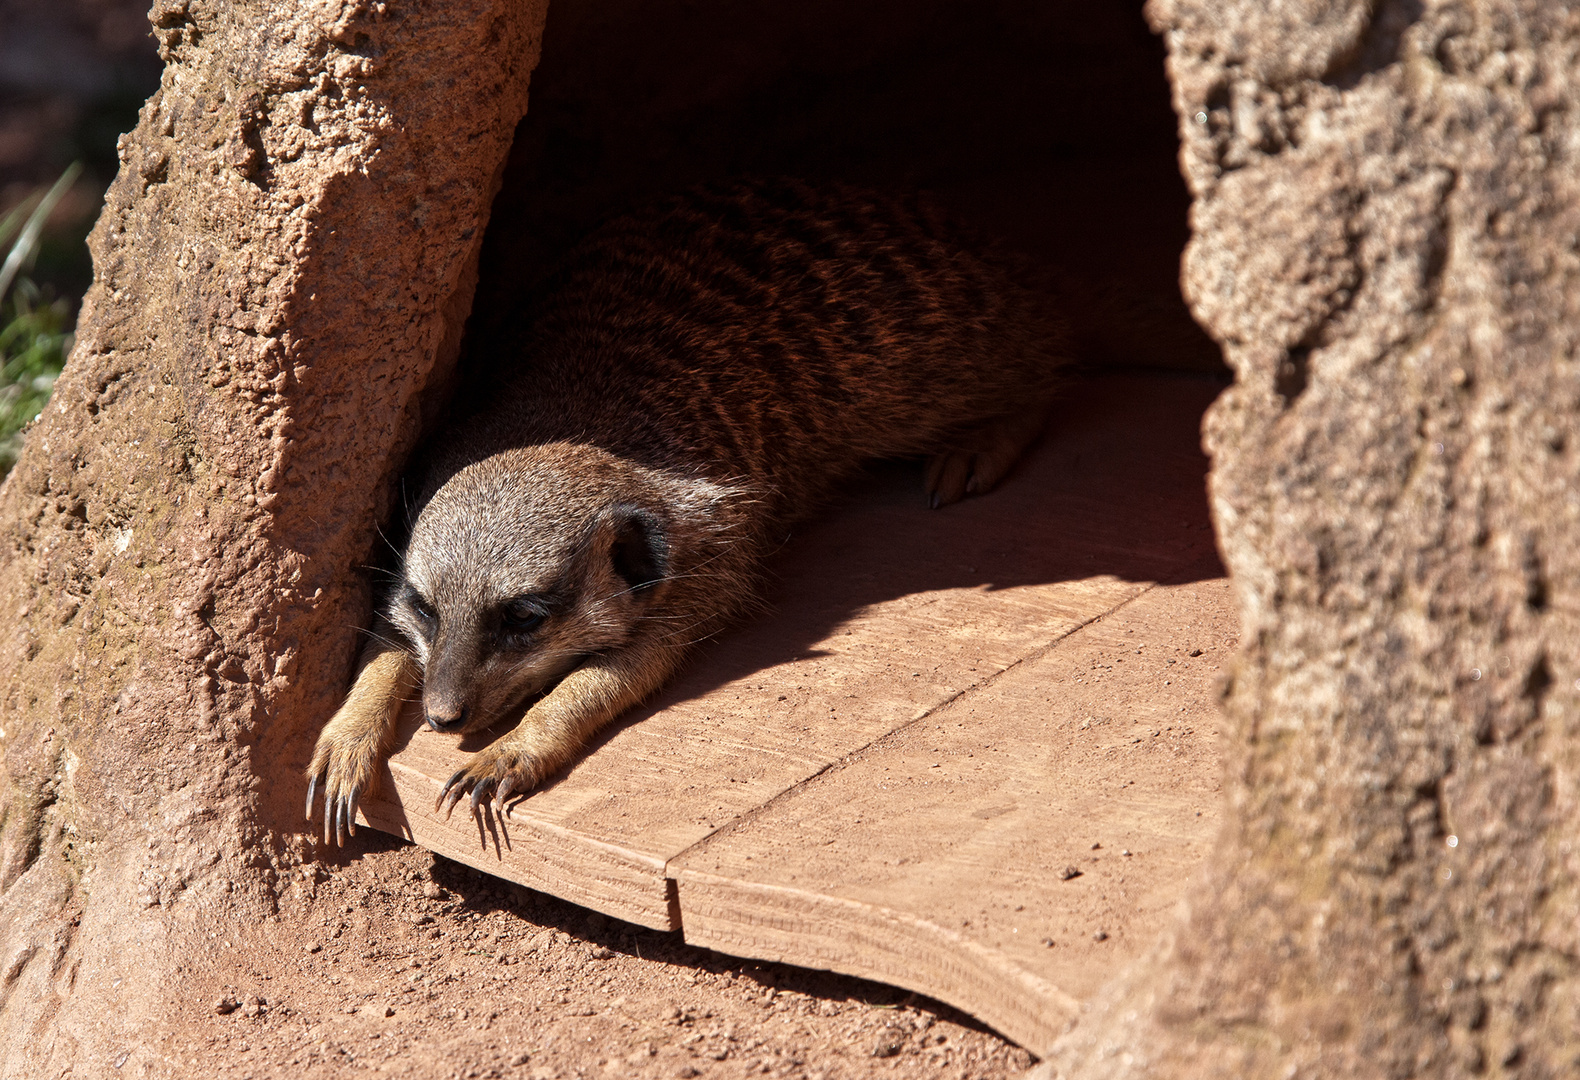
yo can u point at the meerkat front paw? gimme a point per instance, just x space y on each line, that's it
345 766
499 771
357 738
560 725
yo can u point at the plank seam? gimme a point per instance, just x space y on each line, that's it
861 751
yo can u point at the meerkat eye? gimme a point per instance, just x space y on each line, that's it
420 607
520 616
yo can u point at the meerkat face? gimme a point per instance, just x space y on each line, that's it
518 569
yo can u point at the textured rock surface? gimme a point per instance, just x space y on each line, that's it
1386 220
178 542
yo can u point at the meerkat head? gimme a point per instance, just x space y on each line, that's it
519 567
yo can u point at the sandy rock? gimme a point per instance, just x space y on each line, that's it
185 522
1386 201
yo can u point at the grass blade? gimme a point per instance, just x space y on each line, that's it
14 217
27 243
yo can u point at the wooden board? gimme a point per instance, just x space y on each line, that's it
702 810
936 858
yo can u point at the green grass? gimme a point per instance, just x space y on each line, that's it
35 336
35 325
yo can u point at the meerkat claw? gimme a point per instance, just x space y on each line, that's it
348 811
312 789
504 792
450 783
480 790
450 794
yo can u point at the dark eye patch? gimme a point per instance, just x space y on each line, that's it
419 606
522 615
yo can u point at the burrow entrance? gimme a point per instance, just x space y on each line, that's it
971 753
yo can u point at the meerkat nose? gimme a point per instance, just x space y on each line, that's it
446 723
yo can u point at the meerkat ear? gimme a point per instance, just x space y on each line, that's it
640 548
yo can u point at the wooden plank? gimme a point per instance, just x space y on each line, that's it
810 927
934 859
883 613
615 879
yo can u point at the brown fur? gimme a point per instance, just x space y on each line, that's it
702 375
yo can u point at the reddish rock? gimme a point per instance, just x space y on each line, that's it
283 263
1386 207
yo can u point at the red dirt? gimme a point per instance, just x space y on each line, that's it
420 967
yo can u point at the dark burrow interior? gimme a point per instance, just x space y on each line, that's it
1044 124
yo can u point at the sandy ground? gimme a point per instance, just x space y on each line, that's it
424 968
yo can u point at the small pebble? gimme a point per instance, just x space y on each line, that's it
1101 935
601 953
1069 872
226 1005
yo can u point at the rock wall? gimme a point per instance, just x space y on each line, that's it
1386 219
283 263
1387 206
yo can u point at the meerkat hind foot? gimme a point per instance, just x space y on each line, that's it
981 457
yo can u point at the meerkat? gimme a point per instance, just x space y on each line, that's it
702 375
